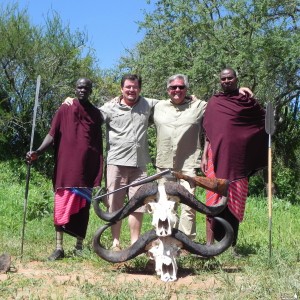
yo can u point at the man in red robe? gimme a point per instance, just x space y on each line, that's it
77 140
236 146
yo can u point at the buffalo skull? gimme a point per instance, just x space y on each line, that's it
164 242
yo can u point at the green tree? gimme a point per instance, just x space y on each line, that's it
260 39
26 51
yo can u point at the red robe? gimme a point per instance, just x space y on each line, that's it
235 126
76 130
77 134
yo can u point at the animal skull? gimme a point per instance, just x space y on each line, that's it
164 251
163 243
164 214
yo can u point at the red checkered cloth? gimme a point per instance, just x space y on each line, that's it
237 192
71 212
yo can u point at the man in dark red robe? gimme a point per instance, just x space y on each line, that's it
236 146
77 140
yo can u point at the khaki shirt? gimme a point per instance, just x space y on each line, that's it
179 129
126 132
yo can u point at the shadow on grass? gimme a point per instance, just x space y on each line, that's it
245 250
189 265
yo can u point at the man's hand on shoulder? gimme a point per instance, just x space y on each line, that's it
245 90
194 98
115 100
68 101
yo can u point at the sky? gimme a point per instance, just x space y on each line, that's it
110 24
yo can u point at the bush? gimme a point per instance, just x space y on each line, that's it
40 192
257 185
287 185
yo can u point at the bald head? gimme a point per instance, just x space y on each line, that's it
228 80
87 81
83 89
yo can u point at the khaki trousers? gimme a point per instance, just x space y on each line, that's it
187 219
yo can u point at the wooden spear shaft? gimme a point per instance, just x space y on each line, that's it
270 128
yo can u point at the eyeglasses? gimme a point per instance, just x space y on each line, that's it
174 87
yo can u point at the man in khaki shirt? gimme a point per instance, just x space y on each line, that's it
178 123
126 118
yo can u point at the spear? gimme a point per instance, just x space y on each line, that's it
270 128
36 102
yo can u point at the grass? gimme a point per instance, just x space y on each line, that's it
253 276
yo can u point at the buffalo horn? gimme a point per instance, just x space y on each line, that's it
145 191
120 256
176 189
207 250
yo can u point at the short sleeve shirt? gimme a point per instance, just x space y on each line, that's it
126 132
179 129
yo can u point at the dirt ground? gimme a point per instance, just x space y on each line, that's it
37 269
59 278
